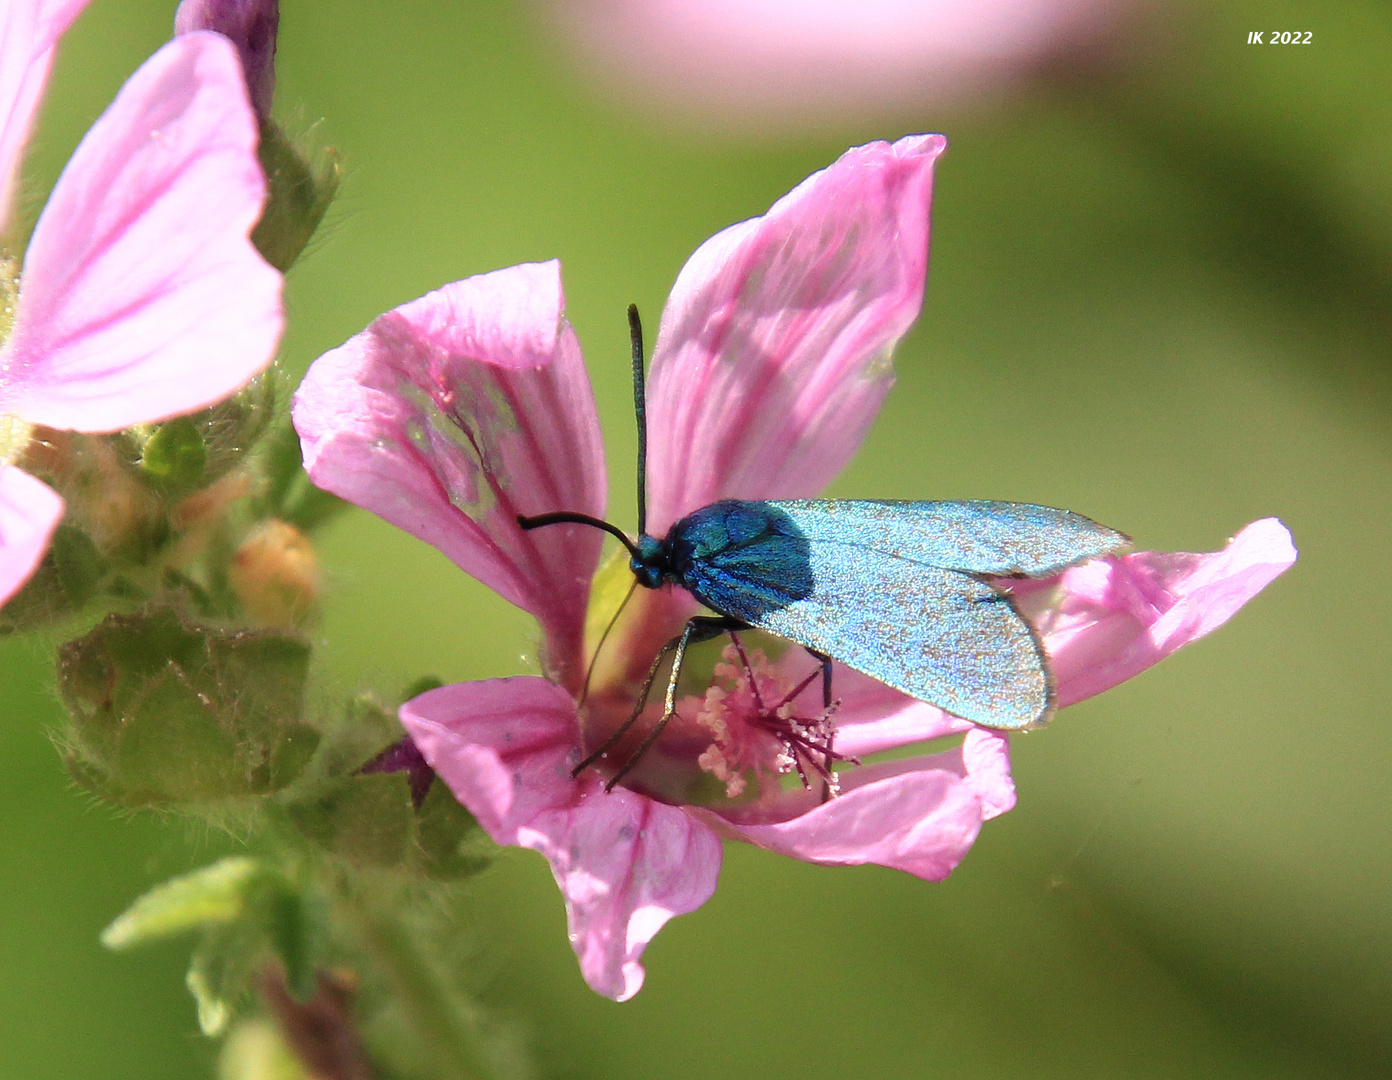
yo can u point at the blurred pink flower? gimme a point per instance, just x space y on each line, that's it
459 411
735 61
140 296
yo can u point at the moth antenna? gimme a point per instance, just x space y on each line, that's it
567 517
599 645
640 410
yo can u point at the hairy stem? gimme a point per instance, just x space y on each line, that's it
443 1025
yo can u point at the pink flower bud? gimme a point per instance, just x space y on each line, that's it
251 26
275 574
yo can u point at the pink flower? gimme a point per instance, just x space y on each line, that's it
733 61
140 295
459 411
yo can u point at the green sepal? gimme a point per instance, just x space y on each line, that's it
366 729
367 820
166 713
297 197
452 844
288 493
421 686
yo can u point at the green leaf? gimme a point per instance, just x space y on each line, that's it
221 969
214 895
247 911
296 936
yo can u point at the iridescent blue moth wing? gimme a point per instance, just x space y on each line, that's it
977 536
895 589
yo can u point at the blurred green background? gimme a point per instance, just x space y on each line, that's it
1161 296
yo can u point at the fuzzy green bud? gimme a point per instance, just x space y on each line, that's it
175 454
189 453
166 713
297 196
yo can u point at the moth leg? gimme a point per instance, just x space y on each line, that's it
827 790
826 676
699 628
608 744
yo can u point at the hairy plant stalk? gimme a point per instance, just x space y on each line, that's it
443 1025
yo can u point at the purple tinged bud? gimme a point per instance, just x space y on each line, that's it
251 26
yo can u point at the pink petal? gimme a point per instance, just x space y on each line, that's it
624 863
774 352
505 747
29 512
29 33
456 412
986 757
1112 618
921 816
141 295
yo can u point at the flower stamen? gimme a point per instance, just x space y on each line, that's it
752 736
